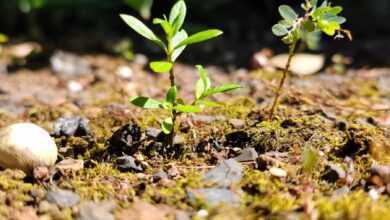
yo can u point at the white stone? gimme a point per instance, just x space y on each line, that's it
278 172
301 64
26 146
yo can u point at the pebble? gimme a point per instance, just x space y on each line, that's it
125 72
71 126
278 172
26 146
237 123
69 64
227 173
214 196
247 154
63 198
127 163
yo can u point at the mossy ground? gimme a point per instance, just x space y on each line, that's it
334 121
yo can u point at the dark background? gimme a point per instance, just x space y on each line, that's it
92 25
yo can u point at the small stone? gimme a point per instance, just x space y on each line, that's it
71 126
278 172
203 119
127 163
334 172
125 140
301 64
74 86
41 173
153 132
140 59
247 154
125 72
97 211
214 196
161 175
237 123
227 173
237 139
26 146
69 64
69 166
63 198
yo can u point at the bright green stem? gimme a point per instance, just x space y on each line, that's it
173 112
279 90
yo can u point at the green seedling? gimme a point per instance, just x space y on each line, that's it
323 18
174 43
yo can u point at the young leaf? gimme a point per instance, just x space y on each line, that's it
141 29
177 38
222 89
200 36
166 26
310 159
287 13
187 108
171 95
279 30
145 102
160 66
3 38
203 84
167 125
177 15
207 103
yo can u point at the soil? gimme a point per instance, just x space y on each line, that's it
342 118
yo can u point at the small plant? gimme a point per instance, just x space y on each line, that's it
176 40
292 29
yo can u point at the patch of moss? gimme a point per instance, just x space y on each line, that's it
355 205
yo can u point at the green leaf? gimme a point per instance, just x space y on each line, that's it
187 108
142 6
334 18
287 13
335 10
203 84
145 102
166 26
208 103
167 125
200 36
179 37
161 66
279 30
222 89
285 23
309 159
171 95
329 28
177 15
141 29
308 26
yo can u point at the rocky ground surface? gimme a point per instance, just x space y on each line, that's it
326 154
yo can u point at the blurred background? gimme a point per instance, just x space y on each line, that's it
94 26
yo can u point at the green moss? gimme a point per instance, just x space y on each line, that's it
356 205
265 194
102 182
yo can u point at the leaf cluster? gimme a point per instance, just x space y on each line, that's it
173 44
323 18
202 91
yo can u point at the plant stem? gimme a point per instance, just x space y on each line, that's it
173 112
279 90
